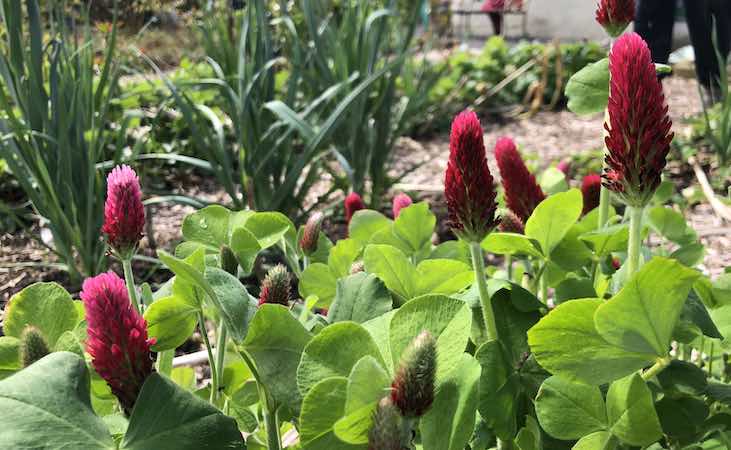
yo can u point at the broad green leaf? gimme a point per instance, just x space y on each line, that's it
445 318
379 328
322 407
588 89
443 276
530 436
368 382
499 389
449 423
631 412
608 240
342 256
365 223
601 440
333 352
69 342
566 343
318 280
235 305
553 218
354 427
569 410
170 321
511 244
571 254
415 225
190 284
574 288
275 342
9 356
184 377
46 306
47 405
208 226
269 227
690 255
167 416
671 225
642 316
246 247
683 417
393 267
553 181
359 297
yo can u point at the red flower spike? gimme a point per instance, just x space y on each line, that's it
468 185
400 202
522 192
311 234
591 186
511 223
117 337
353 203
615 15
276 287
412 389
124 214
639 133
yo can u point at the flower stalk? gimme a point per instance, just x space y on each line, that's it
129 280
478 264
634 248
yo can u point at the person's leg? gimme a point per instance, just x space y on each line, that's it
497 21
654 22
700 15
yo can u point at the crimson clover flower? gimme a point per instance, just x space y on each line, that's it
511 223
124 214
591 186
615 15
639 133
400 202
276 287
311 234
117 337
522 192
412 390
353 203
468 185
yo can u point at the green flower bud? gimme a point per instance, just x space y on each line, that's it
386 431
412 390
33 346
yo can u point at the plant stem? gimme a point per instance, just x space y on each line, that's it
604 203
211 360
635 240
478 263
658 367
221 354
509 266
274 440
165 362
543 286
710 360
129 279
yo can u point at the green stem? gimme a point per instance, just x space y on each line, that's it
544 286
478 263
129 279
211 360
165 362
658 367
604 203
509 266
710 360
221 354
635 240
274 440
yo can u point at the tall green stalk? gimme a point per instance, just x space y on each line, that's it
130 282
634 248
478 263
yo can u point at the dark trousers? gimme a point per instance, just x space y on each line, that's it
655 19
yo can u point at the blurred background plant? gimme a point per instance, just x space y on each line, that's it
54 110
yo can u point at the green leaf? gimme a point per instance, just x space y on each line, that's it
511 244
379 328
236 306
359 297
9 356
568 410
449 423
209 226
190 284
444 317
553 181
631 412
47 405
246 247
682 417
318 280
333 352
166 416
642 316
366 223
499 389
530 436
443 276
393 267
322 407
184 377
46 306
354 427
275 342
574 288
553 218
588 89
690 255
170 321
671 225
269 227
566 343
415 226
368 382
608 240
601 440
342 256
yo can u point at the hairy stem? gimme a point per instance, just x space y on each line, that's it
604 203
478 263
211 360
635 240
165 362
658 367
129 279
221 354
274 440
